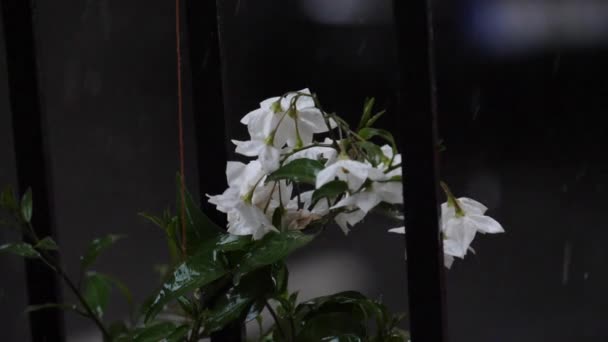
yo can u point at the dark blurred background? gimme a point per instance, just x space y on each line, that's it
522 98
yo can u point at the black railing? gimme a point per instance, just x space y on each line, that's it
419 145
31 159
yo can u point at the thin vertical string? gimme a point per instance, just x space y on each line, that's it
180 122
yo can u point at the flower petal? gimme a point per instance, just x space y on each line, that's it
485 224
398 230
249 148
471 206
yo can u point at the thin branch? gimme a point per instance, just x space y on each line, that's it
276 319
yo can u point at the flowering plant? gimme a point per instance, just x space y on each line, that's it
308 169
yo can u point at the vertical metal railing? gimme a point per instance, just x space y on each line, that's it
418 107
203 41
31 159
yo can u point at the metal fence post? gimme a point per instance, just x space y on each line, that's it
31 159
203 41
418 107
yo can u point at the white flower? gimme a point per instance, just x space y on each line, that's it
298 219
354 173
320 208
268 155
366 200
396 160
459 225
247 219
248 201
277 117
349 219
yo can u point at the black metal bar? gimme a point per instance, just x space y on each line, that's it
418 105
203 41
31 159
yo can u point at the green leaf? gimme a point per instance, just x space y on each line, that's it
333 326
96 247
234 304
97 292
369 133
373 152
155 332
199 227
169 224
358 307
272 248
188 306
280 277
47 244
330 190
344 338
26 206
178 334
198 270
232 243
22 249
300 170
116 329
8 200
277 217
375 118
122 288
367 111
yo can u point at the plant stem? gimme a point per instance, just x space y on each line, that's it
396 166
276 320
57 268
90 313
197 326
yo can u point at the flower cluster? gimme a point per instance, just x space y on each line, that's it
310 168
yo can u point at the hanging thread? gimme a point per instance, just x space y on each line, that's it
180 123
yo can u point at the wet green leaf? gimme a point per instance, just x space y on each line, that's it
300 170
97 292
26 206
22 249
231 243
47 244
199 227
272 248
236 303
96 247
332 326
330 190
198 270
